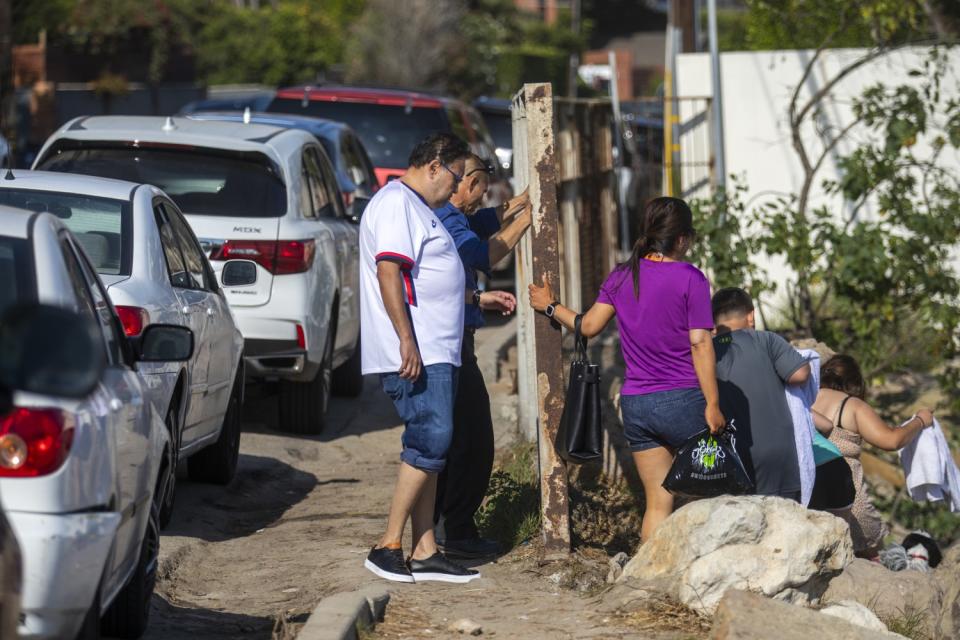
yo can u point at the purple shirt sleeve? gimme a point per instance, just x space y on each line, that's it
699 312
610 286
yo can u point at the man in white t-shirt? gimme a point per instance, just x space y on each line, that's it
411 324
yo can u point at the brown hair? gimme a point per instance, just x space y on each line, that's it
664 222
842 373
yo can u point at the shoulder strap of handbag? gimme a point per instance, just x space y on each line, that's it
579 342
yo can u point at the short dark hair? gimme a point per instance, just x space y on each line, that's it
444 147
731 300
842 373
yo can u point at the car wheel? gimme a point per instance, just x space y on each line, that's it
348 377
173 456
127 616
303 405
90 628
217 464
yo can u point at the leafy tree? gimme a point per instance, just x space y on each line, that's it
285 42
879 285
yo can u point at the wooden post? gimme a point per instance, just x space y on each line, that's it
533 121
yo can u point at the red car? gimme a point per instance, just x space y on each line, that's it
390 122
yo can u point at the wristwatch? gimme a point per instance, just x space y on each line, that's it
551 309
476 297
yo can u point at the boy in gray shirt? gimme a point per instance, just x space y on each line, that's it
752 369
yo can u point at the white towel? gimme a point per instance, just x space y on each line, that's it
932 474
800 399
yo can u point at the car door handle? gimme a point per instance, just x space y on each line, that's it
209 312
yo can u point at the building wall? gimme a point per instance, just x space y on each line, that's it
757 87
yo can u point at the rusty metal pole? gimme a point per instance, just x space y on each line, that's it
536 101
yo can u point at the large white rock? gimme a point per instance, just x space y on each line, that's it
770 546
854 613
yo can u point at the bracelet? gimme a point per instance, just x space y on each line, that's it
923 425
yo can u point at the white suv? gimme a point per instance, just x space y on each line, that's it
261 193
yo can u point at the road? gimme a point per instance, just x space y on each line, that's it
252 560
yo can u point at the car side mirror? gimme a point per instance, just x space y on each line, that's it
50 351
238 273
356 209
163 343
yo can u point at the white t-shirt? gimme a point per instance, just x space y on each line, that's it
398 225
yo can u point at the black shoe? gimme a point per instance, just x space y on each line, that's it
388 564
438 568
470 548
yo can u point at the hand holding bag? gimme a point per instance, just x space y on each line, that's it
580 436
708 465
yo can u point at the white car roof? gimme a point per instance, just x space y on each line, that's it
73 183
234 136
14 223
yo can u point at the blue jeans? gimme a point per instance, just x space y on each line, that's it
426 408
662 419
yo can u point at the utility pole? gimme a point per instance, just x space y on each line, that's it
575 56
7 96
539 350
716 108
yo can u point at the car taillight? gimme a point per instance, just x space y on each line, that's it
301 337
278 257
34 442
133 319
294 256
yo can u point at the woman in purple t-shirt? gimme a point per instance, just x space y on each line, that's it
663 312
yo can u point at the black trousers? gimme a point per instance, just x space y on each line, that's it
463 482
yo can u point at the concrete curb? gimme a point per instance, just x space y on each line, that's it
338 616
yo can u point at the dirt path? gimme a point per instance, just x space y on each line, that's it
295 526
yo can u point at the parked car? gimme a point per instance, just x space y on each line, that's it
355 175
80 479
153 267
11 577
496 115
254 101
260 193
391 122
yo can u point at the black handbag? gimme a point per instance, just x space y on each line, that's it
580 436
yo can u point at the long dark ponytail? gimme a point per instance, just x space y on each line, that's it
665 221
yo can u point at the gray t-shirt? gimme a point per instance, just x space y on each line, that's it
752 368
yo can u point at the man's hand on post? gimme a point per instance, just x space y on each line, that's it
501 301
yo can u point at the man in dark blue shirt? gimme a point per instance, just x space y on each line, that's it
483 237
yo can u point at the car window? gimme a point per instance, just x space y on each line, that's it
192 254
388 131
17 283
331 183
176 265
323 206
457 125
355 165
103 311
75 273
306 198
201 180
102 226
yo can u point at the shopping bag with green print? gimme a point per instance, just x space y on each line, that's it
708 465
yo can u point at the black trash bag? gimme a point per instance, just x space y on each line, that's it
707 466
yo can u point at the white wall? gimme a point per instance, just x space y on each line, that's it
757 87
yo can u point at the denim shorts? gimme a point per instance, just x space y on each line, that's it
662 419
426 408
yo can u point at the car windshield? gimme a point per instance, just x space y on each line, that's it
389 132
501 129
16 276
201 181
101 225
